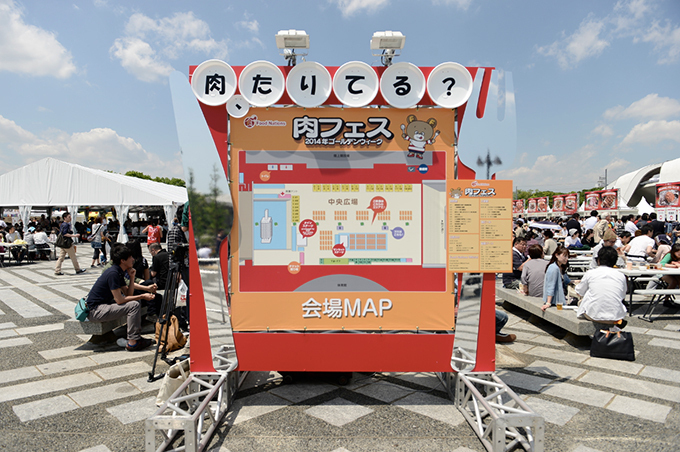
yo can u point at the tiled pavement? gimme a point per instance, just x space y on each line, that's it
58 392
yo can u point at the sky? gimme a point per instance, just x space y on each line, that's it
597 84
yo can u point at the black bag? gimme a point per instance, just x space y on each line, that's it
614 345
63 242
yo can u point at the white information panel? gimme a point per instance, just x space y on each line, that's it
261 83
309 84
402 85
355 84
213 82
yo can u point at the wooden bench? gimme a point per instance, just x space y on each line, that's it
565 319
100 331
657 296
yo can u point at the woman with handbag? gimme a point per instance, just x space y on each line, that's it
96 241
556 279
65 244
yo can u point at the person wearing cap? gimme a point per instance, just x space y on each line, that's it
30 241
573 223
609 239
573 241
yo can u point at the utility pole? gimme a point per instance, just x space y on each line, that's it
488 162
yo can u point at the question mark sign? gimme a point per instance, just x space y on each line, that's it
452 82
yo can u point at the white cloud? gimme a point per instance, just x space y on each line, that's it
653 132
149 43
573 170
27 49
351 7
649 107
603 130
460 4
666 40
139 59
636 19
251 25
583 43
99 148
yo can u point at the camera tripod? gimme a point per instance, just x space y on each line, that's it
167 308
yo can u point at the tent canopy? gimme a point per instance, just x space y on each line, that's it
49 182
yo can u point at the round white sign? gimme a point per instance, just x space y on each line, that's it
238 106
309 84
261 83
213 82
402 85
449 85
355 84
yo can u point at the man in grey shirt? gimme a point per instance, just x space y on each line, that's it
533 272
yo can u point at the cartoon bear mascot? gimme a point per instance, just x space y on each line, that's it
418 134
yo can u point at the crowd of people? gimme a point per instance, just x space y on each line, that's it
541 258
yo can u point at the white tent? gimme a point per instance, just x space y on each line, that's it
644 207
51 182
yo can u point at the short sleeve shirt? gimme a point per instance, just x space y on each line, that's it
160 264
153 234
113 278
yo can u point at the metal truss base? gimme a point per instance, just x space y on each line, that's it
498 416
197 407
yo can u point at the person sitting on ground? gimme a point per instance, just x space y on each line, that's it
533 272
573 240
112 297
549 244
642 246
603 290
589 238
608 240
511 280
556 279
672 260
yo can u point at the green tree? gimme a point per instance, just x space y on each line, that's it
176 181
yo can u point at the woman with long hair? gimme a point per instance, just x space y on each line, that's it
556 279
672 260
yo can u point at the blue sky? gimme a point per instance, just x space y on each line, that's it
596 83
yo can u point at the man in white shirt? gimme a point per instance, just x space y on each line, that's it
630 226
591 221
603 290
642 246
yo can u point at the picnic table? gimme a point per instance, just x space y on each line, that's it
638 272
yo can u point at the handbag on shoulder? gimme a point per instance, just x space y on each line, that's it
63 241
613 345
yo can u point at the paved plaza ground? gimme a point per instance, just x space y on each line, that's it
60 393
